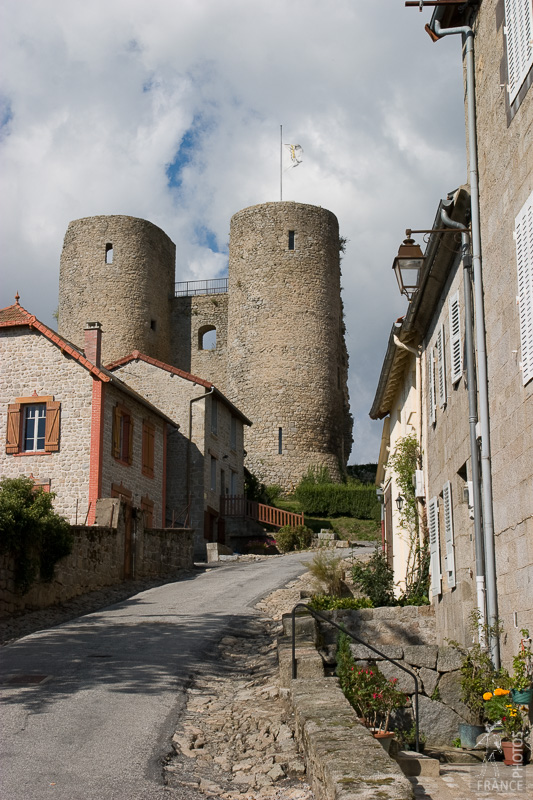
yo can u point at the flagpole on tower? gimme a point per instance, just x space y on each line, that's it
281 162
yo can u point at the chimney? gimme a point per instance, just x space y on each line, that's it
93 342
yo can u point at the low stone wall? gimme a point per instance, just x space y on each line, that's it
97 561
409 625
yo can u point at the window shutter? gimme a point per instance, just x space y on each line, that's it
148 449
448 533
434 550
431 391
116 432
130 440
519 31
524 261
13 428
456 345
441 367
51 435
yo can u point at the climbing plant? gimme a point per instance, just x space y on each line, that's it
31 532
406 459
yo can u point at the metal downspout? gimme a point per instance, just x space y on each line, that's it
472 411
189 445
486 470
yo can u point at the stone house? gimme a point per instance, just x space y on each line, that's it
210 455
485 562
76 428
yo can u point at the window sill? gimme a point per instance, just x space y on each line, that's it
121 461
32 453
147 474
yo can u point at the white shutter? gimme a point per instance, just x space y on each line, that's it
524 261
431 389
519 31
448 533
434 549
420 489
441 367
456 345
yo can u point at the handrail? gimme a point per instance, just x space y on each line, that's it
357 639
193 288
240 506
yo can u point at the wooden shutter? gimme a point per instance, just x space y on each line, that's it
441 367
448 533
519 33
434 546
431 389
524 261
116 432
456 345
130 438
13 428
51 435
148 449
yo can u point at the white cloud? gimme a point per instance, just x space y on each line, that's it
99 96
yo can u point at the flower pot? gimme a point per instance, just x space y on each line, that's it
384 738
522 697
468 735
513 752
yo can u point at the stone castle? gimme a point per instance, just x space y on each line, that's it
270 337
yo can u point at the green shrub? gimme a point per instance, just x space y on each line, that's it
272 493
326 602
333 499
376 579
328 574
31 531
316 476
293 537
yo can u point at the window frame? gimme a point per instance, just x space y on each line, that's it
148 448
122 448
16 425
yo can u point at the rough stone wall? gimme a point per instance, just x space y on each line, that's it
31 363
286 339
190 317
447 449
172 394
130 475
505 149
163 552
130 296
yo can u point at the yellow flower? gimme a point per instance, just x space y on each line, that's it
488 695
500 692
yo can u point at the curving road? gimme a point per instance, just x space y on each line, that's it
88 708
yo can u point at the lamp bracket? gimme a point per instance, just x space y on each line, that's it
409 231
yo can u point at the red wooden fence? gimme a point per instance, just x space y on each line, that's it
239 506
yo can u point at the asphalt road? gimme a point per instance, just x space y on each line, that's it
89 707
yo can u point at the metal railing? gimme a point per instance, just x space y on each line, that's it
317 614
193 288
239 506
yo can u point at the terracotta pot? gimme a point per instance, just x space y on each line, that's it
513 752
384 738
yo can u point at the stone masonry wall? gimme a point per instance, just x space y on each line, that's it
190 317
285 340
130 296
31 363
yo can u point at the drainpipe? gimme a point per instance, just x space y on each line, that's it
486 471
189 444
472 411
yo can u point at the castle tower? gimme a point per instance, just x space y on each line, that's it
287 360
119 271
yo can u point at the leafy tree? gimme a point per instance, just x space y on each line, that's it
31 531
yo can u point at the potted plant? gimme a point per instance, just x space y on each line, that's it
499 708
522 681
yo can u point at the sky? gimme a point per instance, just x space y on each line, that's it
170 110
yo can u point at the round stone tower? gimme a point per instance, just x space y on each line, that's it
287 361
119 271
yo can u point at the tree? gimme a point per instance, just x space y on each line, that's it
31 532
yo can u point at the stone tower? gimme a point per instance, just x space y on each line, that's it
287 360
119 271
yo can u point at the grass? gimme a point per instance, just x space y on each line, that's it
344 527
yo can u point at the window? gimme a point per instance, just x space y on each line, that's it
214 415
456 345
434 547
213 485
122 435
233 483
519 33
153 324
431 388
33 425
524 262
148 449
207 338
441 367
280 441
448 533
291 240
147 507
233 433
109 254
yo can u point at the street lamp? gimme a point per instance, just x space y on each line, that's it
408 265
399 502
